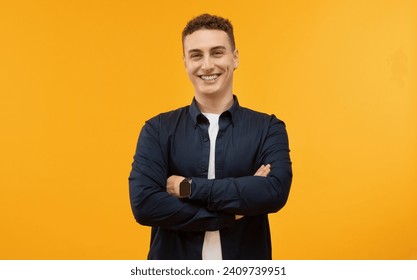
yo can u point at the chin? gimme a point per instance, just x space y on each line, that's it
209 92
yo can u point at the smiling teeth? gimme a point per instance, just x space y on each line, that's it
209 78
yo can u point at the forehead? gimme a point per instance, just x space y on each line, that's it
205 39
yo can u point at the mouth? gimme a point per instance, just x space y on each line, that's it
209 78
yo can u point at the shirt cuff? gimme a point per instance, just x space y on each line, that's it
200 189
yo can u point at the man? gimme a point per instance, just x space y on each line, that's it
205 176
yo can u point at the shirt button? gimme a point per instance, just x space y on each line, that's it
205 139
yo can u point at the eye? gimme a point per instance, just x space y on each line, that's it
195 55
217 53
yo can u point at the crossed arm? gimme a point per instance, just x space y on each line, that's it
173 182
214 204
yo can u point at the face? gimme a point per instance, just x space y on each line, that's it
210 62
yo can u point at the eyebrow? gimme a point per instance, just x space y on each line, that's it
212 49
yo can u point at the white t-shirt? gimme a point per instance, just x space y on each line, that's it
212 249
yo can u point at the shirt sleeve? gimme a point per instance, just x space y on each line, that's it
252 195
151 204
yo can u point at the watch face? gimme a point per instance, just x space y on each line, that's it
185 189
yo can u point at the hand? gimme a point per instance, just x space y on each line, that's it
173 185
263 171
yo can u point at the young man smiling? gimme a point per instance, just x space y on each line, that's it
210 61
205 176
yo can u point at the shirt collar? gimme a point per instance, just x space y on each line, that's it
231 112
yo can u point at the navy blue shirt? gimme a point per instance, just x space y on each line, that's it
177 143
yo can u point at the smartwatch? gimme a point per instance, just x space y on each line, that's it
185 188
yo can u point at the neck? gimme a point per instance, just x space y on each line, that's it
214 104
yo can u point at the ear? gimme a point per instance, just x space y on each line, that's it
236 58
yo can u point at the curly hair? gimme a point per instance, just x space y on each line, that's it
212 22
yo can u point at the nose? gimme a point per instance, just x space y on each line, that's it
206 63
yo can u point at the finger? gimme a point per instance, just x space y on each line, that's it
264 170
259 171
267 170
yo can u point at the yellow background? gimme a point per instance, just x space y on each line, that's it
79 78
